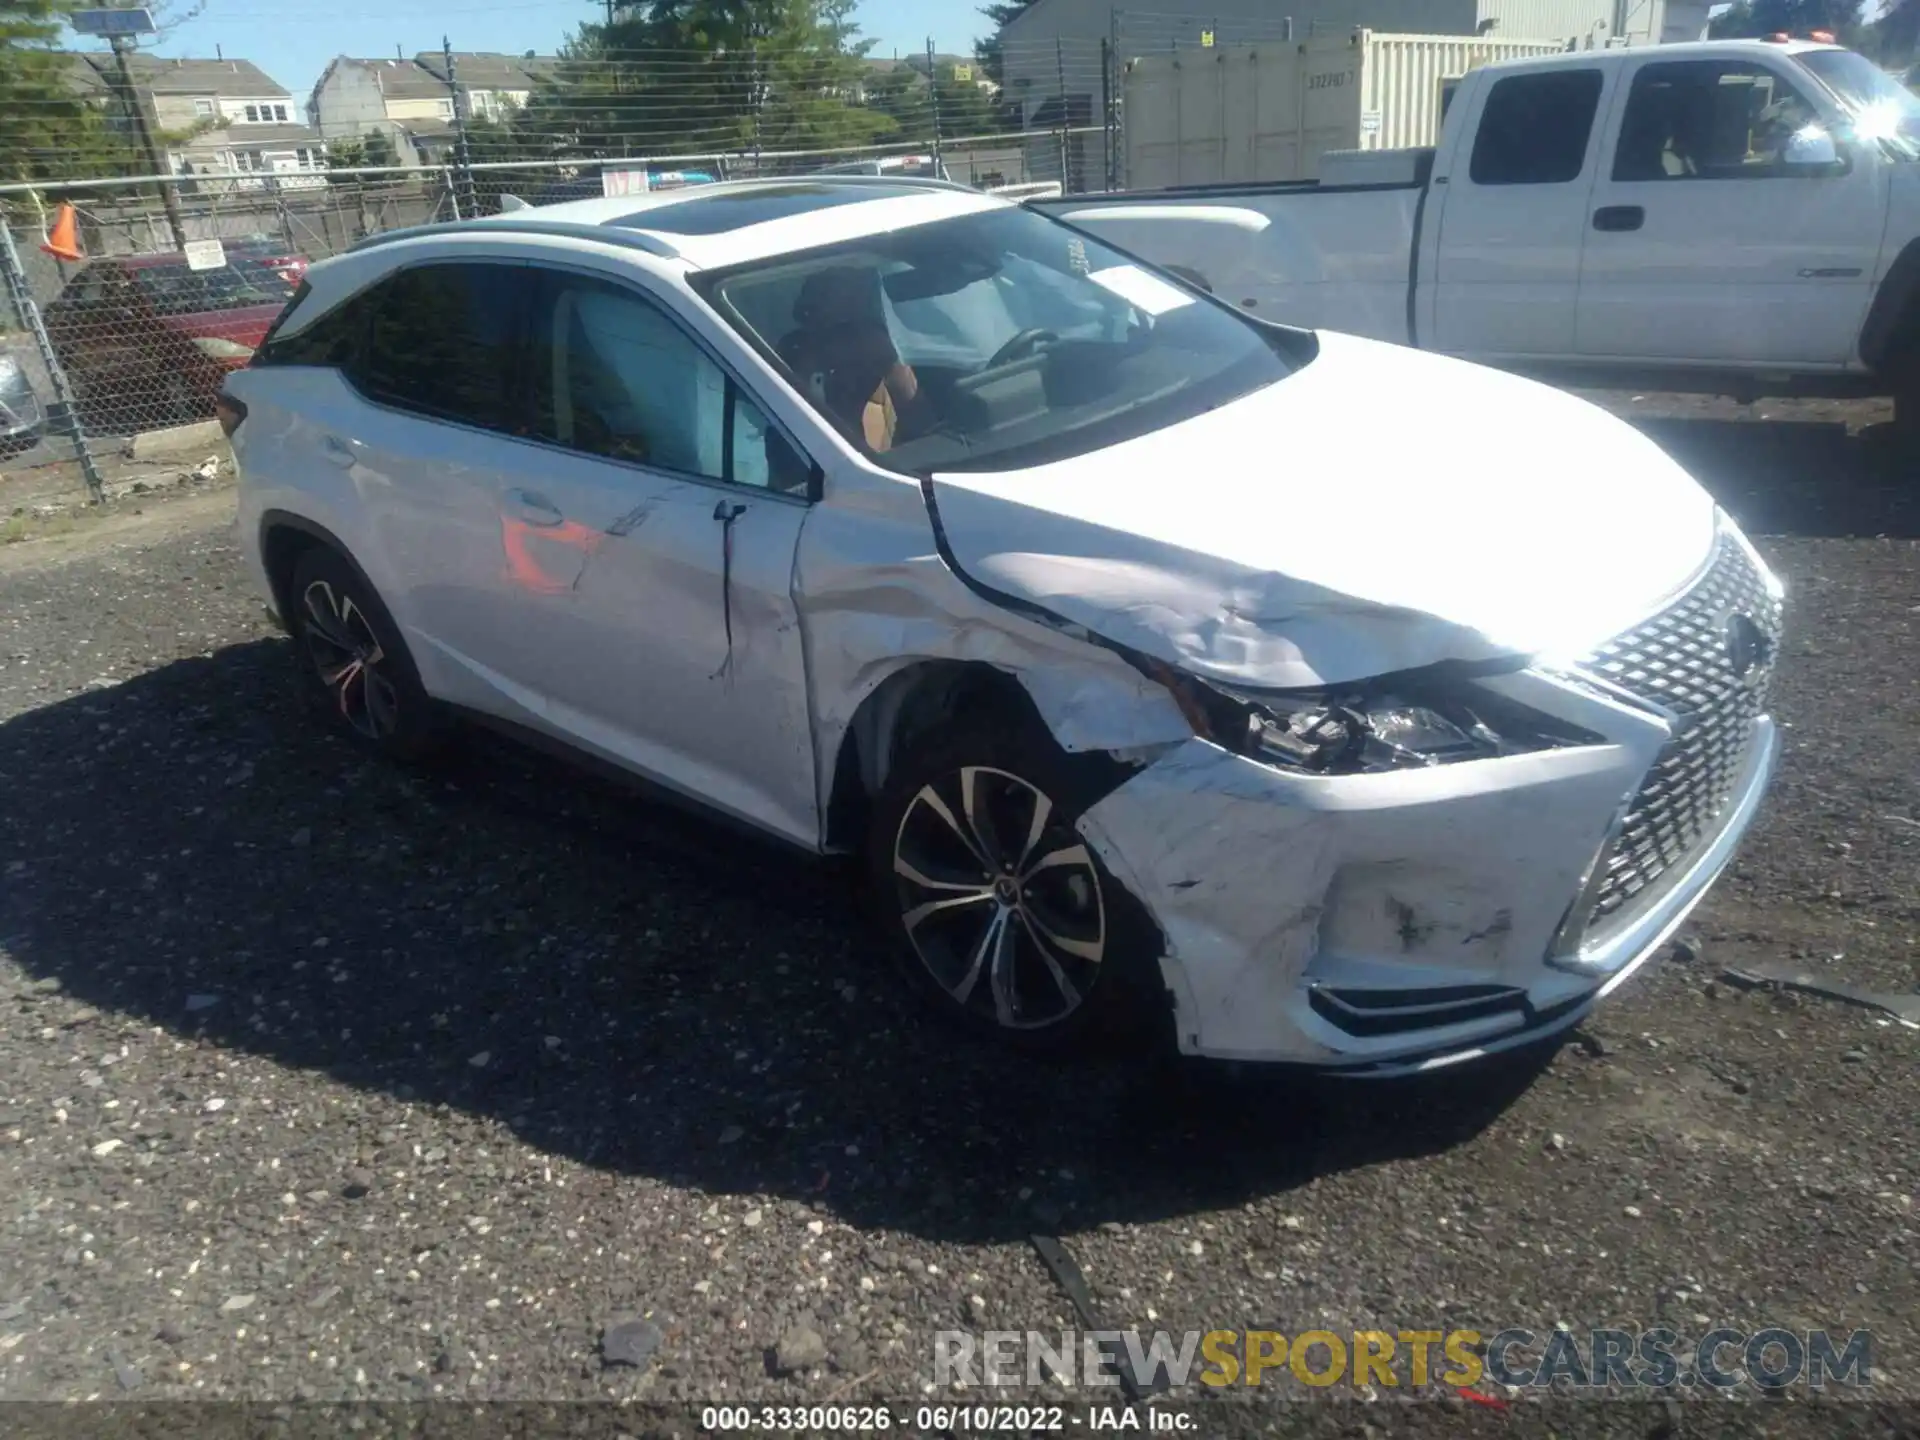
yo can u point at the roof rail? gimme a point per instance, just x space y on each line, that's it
829 177
512 223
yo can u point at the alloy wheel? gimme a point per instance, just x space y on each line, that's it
1000 898
348 657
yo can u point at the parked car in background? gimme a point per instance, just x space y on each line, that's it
267 252
21 418
1735 216
147 339
1158 680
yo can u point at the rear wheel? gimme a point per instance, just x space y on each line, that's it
358 670
1003 918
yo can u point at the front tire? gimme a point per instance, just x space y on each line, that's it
359 674
1001 916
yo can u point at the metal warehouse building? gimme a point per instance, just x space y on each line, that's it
1053 50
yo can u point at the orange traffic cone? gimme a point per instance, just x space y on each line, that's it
64 242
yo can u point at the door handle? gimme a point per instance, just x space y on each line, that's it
1619 217
338 452
533 508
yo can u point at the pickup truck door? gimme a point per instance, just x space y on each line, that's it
1509 207
1706 243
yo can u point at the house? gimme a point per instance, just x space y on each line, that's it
492 84
1052 61
411 102
398 98
215 117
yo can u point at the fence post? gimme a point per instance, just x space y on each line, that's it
29 312
933 95
1060 81
1106 112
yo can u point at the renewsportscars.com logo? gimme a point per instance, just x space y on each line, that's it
1656 1359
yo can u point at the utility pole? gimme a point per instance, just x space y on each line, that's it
462 156
169 196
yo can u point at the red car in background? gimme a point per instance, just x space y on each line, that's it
146 339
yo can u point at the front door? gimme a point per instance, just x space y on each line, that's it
1510 211
648 548
1705 244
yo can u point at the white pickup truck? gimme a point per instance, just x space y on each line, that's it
1733 217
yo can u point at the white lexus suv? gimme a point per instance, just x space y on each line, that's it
1331 702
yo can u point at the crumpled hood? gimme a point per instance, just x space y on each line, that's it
1380 510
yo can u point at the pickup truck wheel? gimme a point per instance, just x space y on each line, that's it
1000 916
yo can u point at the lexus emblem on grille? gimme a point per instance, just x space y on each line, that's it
1749 651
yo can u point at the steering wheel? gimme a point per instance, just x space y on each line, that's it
1022 344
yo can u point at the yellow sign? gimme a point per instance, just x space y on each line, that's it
1206 39
963 72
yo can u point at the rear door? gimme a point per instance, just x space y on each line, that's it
1704 245
423 437
1509 204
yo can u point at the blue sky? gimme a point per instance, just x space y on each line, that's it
292 42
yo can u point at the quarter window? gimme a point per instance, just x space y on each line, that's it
440 341
1707 120
1534 129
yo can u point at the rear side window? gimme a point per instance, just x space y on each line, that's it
1534 129
440 341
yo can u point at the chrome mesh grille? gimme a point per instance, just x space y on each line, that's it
1681 660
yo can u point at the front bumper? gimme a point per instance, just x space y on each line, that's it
1386 924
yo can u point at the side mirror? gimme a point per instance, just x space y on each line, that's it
1811 150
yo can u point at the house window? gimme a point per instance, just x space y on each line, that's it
304 158
446 108
203 107
252 113
280 113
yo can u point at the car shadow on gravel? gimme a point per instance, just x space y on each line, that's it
1796 477
616 983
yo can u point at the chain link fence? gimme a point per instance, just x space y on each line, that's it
136 331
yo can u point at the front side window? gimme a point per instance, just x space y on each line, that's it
1708 120
440 341
614 375
1534 129
991 340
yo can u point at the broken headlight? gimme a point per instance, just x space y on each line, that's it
1409 724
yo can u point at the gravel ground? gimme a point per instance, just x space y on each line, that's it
320 1079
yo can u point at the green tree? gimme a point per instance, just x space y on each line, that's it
699 76
987 50
370 151
904 96
49 127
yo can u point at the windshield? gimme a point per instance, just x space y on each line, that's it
991 341
1880 107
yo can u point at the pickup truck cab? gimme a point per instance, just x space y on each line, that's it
1740 217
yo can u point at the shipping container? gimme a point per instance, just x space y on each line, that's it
1245 113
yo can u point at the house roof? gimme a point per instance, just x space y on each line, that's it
488 70
399 79
164 75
